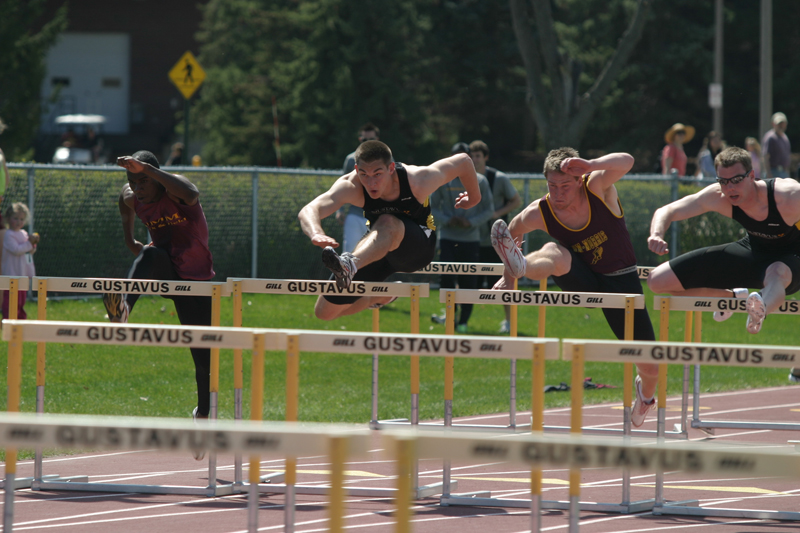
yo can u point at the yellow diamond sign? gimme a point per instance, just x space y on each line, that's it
187 75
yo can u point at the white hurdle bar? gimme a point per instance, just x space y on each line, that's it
143 287
338 442
687 353
734 305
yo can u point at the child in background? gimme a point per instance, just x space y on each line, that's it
18 249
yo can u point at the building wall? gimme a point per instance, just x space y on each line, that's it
159 32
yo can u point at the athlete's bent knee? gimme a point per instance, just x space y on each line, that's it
780 271
663 279
324 310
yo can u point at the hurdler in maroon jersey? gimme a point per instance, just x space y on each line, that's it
603 243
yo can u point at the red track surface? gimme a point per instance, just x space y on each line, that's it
88 512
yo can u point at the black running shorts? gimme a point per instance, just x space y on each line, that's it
416 251
581 278
732 265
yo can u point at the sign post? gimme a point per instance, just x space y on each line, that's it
187 75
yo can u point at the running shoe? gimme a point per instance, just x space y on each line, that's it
343 266
756 311
508 250
116 307
505 327
379 305
722 316
198 454
439 319
462 328
794 375
640 406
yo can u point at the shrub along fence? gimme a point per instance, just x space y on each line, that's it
252 218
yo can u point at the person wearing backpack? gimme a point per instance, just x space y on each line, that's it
506 199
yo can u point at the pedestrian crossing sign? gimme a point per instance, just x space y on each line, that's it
187 75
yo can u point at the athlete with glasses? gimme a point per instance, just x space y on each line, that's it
767 258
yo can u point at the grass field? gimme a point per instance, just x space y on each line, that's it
119 380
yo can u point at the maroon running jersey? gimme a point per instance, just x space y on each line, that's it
182 231
604 243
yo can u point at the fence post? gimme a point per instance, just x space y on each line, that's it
674 235
31 195
254 251
526 200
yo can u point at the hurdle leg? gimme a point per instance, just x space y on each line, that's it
256 410
376 327
405 458
238 379
512 401
338 454
627 398
14 381
292 386
41 348
576 424
449 362
216 299
537 427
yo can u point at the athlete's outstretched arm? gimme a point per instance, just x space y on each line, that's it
708 199
344 191
446 170
606 170
128 216
177 186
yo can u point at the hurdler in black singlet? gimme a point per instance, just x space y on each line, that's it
406 204
604 243
772 234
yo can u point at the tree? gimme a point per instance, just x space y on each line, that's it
555 66
22 64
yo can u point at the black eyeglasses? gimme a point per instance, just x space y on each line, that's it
734 180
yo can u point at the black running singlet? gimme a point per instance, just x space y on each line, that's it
406 204
771 234
603 243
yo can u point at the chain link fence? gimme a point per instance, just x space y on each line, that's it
252 218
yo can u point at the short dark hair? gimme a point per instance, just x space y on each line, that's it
146 157
730 156
556 157
369 126
459 148
370 151
479 146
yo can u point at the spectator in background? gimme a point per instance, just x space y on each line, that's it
506 199
673 155
777 151
18 249
460 234
712 145
752 146
93 143
350 216
176 155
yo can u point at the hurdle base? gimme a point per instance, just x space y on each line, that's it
33 483
682 509
417 494
480 501
217 490
708 425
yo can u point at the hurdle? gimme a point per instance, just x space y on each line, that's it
664 353
143 287
281 439
545 299
176 435
696 306
239 286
